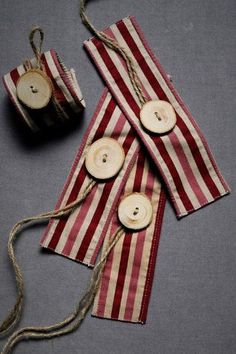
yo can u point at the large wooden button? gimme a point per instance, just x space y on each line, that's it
135 211
34 89
158 116
104 158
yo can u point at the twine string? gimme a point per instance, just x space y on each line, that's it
74 320
14 314
112 44
37 49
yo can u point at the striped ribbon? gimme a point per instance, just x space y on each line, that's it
66 93
181 160
182 157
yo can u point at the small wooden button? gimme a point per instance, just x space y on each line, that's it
158 116
135 211
104 158
34 89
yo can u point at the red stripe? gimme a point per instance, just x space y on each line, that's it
14 76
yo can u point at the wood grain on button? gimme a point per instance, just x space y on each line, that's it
135 211
34 89
105 158
158 116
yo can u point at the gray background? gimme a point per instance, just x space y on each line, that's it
193 302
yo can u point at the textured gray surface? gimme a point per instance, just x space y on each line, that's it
193 302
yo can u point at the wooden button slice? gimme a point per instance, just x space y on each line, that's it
135 211
34 89
158 116
104 158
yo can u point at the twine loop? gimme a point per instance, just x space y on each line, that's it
37 49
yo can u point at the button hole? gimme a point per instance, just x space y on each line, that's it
136 210
104 158
33 89
157 115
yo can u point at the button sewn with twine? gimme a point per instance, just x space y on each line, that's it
34 89
158 116
135 211
105 158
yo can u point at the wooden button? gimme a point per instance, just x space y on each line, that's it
158 116
104 158
34 89
135 211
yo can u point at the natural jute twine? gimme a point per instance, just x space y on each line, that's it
37 50
112 44
15 313
74 320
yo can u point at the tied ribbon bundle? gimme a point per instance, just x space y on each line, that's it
66 101
179 162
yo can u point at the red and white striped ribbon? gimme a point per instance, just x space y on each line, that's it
127 279
181 157
66 91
